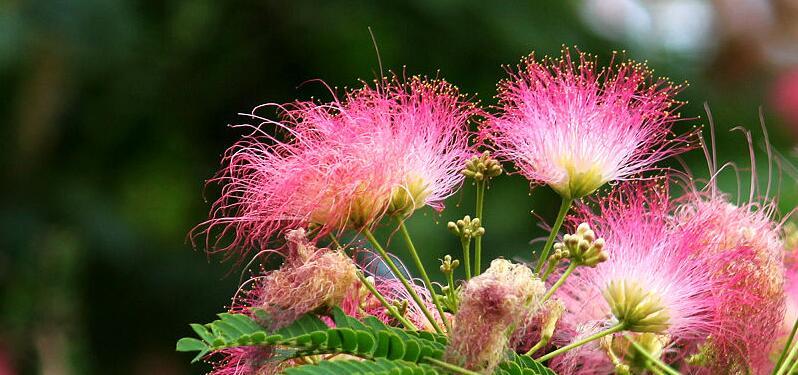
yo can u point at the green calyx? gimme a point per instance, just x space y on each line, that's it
639 310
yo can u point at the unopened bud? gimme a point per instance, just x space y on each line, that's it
583 246
482 167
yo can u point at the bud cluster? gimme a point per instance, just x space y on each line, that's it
448 265
482 167
466 228
450 297
582 247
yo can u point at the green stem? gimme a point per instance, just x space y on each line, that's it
543 341
423 272
560 281
544 255
793 369
786 347
783 369
453 368
452 293
478 239
391 309
370 237
651 358
466 243
616 328
654 369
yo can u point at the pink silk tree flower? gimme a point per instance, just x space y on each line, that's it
575 127
421 126
270 185
751 305
647 284
492 305
389 148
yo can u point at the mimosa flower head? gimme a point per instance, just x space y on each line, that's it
391 147
492 305
313 176
647 284
573 126
422 126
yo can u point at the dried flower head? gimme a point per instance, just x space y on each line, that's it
575 127
791 273
491 306
308 280
744 247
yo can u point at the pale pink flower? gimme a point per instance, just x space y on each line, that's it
492 305
576 128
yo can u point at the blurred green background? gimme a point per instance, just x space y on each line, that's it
114 114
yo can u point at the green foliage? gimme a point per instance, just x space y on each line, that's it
386 350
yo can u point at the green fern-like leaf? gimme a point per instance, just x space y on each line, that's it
385 349
522 365
379 366
309 335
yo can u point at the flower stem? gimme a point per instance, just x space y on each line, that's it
785 367
560 281
541 343
656 361
544 255
391 309
478 240
370 237
466 243
453 368
423 272
616 328
786 347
